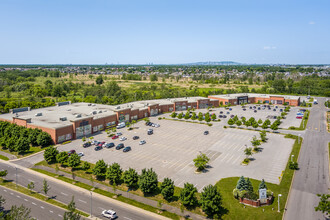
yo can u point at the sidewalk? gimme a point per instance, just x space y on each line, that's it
126 194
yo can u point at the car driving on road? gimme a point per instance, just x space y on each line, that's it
109 214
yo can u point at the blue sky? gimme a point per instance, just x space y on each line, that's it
164 32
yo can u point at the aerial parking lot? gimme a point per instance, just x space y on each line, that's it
171 148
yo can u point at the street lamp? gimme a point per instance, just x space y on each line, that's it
292 157
91 204
245 146
16 175
279 195
299 138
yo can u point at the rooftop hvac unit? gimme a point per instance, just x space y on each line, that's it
63 118
38 114
78 116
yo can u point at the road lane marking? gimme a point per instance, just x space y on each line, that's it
18 196
11 193
101 208
26 200
82 201
127 218
64 194
51 211
34 203
5 190
42 207
60 215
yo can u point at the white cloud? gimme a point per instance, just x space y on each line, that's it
269 48
311 22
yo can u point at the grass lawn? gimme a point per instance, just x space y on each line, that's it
3 157
21 189
32 150
235 210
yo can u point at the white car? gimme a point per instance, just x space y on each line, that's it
94 142
119 134
150 129
109 214
157 125
123 139
104 144
142 142
81 154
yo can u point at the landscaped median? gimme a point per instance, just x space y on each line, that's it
234 210
21 189
3 157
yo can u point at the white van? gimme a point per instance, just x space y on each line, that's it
121 125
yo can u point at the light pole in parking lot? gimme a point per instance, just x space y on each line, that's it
16 175
279 196
91 204
299 138
292 157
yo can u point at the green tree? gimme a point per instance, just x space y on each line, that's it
148 181
200 116
153 77
193 117
19 213
238 123
263 136
259 121
249 186
74 160
44 139
235 118
114 173
241 184
264 125
22 145
173 115
255 125
45 187
255 142
201 161
248 152
180 116
262 184
324 204
50 154
230 121
62 157
83 139
188 195
86 166
99 80
71 214
100 169
187 115
131 177
167 189
213 117
30 186
247 123
211 200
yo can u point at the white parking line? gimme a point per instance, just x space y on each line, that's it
101 208
18 196
34 203
224 157
230 158
64 194
127 218
42 207
26 200
82 201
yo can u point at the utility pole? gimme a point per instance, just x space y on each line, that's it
91 204
279 196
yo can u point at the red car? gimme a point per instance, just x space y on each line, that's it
101 144
71 152
299 117
115 137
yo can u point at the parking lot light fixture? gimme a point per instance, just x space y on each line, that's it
292 157
279 195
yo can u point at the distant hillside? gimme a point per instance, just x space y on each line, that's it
221 63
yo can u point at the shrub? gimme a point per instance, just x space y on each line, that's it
235 193
269 193
242 193
159 118
293 165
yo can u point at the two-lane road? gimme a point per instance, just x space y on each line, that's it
313 176
64 192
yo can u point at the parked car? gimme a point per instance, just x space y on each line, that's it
206 132
71 152
136 137
274 109
244 109
299 117
220 116
276 106
150 129
221 112
255 111
153 125
100 144
114 137
259 108
87 144
80 154
97 148
121 125
119 134
119 146
94 142
157 125
126 149
123 139
230 109
109 214
225 116
250 107
142 142
232 116
281 110
228 113
109 145
150 132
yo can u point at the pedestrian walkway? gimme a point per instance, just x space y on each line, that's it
10 156
126 194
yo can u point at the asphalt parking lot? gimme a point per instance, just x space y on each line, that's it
173 146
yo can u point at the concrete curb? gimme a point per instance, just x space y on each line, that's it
76 188
294 173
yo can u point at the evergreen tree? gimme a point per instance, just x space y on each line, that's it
187 195
249 186
262 185
167 189
241 183
211 200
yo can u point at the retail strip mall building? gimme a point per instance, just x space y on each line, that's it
67 121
